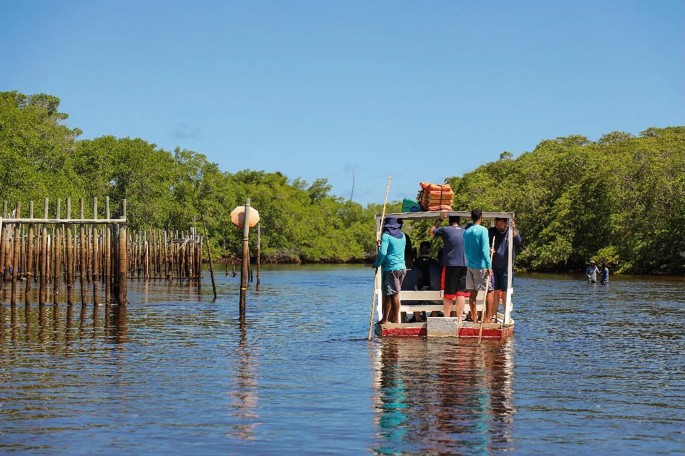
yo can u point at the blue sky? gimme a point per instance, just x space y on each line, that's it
421 90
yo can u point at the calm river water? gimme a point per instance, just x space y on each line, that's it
590 369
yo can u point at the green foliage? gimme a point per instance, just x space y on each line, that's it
35 149
619 200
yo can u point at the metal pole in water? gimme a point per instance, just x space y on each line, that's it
246 257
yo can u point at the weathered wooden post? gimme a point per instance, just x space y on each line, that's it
259 252
123 283
43 266
42 290
246 257
108 255
6 252
29 266
15 257
209 257
70 258
244 217
58 255
96 268
82 255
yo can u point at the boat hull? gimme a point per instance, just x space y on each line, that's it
469 330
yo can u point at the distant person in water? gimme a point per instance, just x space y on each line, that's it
391 261
591 272
604 278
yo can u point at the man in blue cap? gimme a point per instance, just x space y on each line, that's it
391 261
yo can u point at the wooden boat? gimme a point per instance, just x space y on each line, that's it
431 300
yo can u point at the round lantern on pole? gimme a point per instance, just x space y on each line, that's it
238 216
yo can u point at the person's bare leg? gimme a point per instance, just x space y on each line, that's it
504 304
460 311
498 295
472 305
446 307
489 305
386 310
394 307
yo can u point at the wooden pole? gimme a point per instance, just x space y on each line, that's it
209 257
108 256
15 256
70 259
8 248
95 267
3 250
198 262
259 252
58 256
30 265
123 285
82 257
246 257
43 266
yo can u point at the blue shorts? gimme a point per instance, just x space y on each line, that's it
501 278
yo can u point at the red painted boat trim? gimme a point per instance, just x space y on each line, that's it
420 331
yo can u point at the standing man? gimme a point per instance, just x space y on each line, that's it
500 261
605 274
477 261
591 272
391 261
454 264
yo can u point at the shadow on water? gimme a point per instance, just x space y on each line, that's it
438 396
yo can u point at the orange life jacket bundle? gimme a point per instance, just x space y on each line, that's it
434 197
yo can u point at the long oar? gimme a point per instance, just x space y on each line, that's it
378 238
485 299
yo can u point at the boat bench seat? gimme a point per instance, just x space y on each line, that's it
429 301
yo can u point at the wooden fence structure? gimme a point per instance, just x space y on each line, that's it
55 252
167 255
44 251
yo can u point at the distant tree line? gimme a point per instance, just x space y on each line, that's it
619 199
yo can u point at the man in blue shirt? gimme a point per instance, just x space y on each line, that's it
454 264
500 262
391 261
591 272
477 261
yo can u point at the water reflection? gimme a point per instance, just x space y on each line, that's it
443 397
244 394
42 324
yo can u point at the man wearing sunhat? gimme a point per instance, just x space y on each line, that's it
591 272
391 261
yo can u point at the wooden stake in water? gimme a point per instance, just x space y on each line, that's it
209 257
246 257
